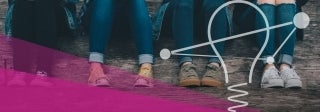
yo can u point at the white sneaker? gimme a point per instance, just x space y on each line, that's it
271 79
41 80
291 79
18 79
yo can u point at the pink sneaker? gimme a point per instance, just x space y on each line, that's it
97 77
101 81
145 76
143 82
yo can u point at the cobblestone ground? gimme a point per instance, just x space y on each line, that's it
270 100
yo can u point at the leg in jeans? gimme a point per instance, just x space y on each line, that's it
100 28
214 75
100 32
183 34
141 27
182 26
182 21
285 12
142 32
219 25
270 77
268 7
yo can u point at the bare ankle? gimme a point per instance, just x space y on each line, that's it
284 66
215 64
95 64
146 65
186 63
267 66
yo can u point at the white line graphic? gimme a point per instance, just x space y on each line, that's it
231 37
284 42
301 21
196 55
232 98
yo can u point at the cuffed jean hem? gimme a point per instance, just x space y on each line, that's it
145 58
214 60
96 57
285 59
185 59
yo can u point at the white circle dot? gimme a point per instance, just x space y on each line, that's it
165 54
301 20
270 60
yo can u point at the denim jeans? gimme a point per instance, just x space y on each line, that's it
101 27
219 25
181 18
279 14
182 14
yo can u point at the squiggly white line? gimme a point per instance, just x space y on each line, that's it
232 98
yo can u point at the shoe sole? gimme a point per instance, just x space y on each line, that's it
211 83
106 84
294 84
143 84
99 85
274 84
189 83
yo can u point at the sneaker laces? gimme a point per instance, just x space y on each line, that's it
212 69
289 74
189 69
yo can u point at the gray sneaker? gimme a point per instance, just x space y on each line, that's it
271 79
213 76
188 76
291 79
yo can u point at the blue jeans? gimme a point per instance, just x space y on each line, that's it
279 14
183 25
102 22
219 25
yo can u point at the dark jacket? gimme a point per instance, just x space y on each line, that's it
63 5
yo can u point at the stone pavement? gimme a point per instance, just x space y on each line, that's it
270 100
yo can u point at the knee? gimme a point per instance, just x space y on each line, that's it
278 2
271 2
